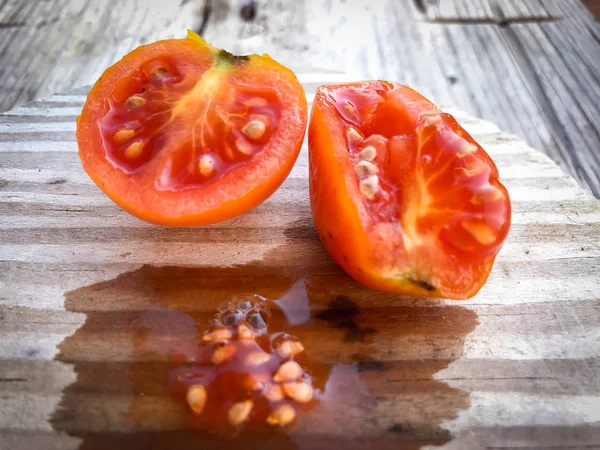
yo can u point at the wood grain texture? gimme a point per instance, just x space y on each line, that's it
554 47
92 301
526 65
52 45
490 11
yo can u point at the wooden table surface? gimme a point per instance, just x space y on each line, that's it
93 302
529 66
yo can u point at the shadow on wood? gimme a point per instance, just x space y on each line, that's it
374 363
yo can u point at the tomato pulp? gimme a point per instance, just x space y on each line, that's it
181 133
402 196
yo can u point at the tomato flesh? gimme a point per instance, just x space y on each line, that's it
181 133
411 203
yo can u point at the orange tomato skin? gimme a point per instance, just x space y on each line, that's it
340 220
119 188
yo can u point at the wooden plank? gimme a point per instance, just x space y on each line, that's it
564 61
525 10
471 68
455 10
91 310
490 11
53 45
110 334
515 367
531 376
308 36
37 439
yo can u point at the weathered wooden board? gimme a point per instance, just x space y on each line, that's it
526 65
490 11
48 46
550 51
93 300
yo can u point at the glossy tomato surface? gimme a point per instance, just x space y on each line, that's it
403 198
181 133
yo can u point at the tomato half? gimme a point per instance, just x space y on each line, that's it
181 133
403 198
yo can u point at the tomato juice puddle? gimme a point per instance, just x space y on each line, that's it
152 334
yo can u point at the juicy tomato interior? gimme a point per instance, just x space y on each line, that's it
431 211
225 124
181 133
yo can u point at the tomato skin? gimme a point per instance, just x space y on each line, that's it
348 230
239 190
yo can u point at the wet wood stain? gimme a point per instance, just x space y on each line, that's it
372 358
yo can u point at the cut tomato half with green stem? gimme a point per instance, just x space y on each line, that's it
402 196
181 133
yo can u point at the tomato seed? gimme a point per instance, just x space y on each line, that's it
196 398
135 101
240 412
288 349
244 332
369 186
134 150
487 193
206 165
218 335
364 168
353 136
122 136
368 153
466 148
299 391
288 371
257 358
223 354
160 72
273 393
283 415
482 233
254 129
